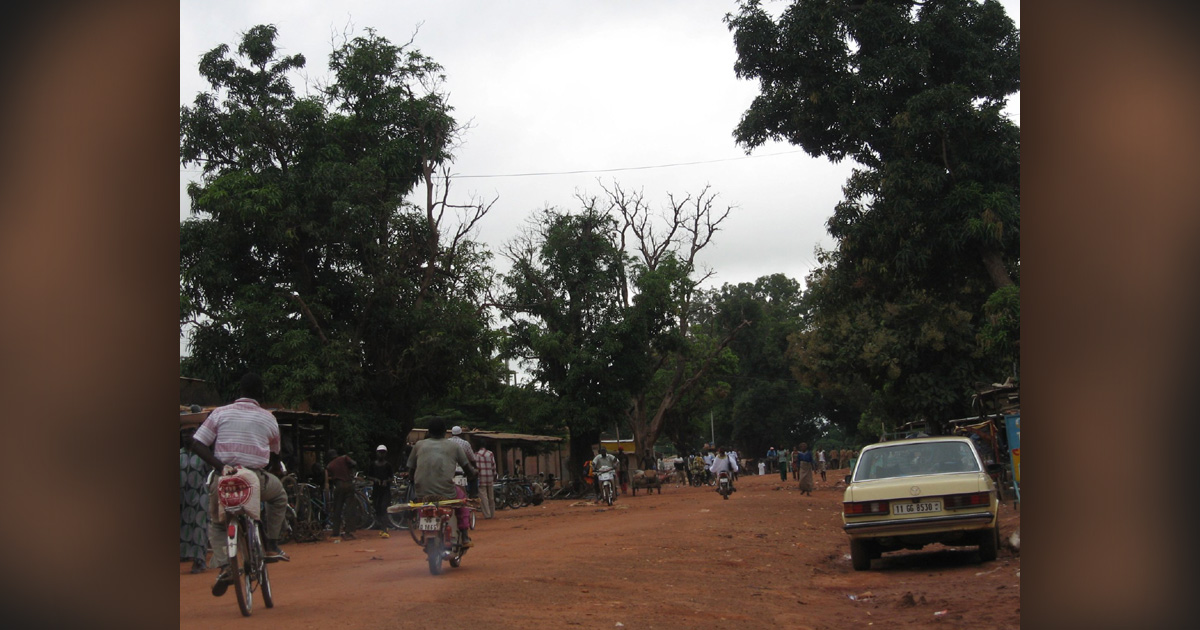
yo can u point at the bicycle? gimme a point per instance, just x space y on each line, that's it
402 493
235 494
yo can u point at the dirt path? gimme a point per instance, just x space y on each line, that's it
767 557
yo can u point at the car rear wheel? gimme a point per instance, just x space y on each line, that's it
860 554
989 543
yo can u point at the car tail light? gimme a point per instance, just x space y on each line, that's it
865 508
974 499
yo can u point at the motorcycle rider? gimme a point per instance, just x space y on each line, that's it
599 463
724 463
432 462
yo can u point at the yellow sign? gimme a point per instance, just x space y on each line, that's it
625 445
1016 459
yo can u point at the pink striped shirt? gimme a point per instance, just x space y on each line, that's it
241 433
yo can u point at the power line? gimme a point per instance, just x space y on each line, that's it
601 170
626 168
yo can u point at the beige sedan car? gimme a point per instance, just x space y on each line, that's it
909 493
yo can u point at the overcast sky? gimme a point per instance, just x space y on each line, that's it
586 85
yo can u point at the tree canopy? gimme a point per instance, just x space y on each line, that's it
930 225
302 260
601 303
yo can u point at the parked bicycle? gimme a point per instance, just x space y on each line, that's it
402 493
509 492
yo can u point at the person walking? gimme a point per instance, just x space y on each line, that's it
781 461
244 434
456 436
340 471
804 464
379 471
193 504
821 463
695 469
771 457
623 467
486 464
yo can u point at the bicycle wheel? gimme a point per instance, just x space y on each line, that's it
361 511
264 578
514 497
354 514
238 566
401 519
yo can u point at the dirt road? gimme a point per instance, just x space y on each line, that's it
767 557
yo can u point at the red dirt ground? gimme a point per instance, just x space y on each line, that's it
767 557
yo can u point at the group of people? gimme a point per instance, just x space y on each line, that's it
803 463
244 435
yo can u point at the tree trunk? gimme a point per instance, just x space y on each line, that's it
580 451
994 264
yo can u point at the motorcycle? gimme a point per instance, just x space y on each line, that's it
240 507
608 491
437 531
723 485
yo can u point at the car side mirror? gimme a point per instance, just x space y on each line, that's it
847 479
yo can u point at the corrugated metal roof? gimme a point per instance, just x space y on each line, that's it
523 437
188 419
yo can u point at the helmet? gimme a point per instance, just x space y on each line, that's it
381 448
457 430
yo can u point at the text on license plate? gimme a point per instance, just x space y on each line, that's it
429 524
916 508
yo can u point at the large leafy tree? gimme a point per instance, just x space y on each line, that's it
563 302
302 259
601 305
673 364
766 406
912 92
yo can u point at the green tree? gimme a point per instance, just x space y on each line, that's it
607 332
669 361
930 226
302 259
913 92
766 405
563 304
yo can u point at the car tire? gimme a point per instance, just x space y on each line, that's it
860 554
989 543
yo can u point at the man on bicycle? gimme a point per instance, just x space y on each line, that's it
243 434
432 463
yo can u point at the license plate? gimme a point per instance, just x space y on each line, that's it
429 524
899 509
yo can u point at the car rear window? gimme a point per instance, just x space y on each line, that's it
905 460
